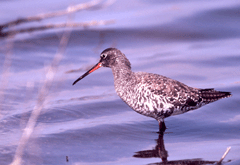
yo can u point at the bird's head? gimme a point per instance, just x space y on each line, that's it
110 57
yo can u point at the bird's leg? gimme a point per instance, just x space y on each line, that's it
162 127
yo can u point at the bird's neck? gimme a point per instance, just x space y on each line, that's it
122 73
124 81
122 76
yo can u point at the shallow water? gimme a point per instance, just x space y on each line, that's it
195 42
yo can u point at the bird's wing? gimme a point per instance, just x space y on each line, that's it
173 91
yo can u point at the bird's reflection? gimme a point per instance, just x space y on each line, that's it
160 152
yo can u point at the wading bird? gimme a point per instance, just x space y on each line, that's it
150 94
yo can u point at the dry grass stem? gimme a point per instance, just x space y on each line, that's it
62 25
224 155
69 10
39 17
41 99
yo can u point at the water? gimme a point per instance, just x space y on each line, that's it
195 42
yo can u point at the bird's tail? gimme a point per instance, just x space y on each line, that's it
210 95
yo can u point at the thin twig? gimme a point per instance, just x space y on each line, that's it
41 99
69 10
224 155
39 17
62 25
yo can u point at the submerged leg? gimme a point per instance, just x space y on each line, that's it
162 127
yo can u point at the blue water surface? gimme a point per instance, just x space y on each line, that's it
195 42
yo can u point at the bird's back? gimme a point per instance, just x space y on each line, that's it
159 97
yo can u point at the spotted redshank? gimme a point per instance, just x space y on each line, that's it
150 94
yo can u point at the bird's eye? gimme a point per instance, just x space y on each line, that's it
103 56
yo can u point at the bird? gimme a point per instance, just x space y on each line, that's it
151 94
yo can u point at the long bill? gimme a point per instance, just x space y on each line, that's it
95 67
